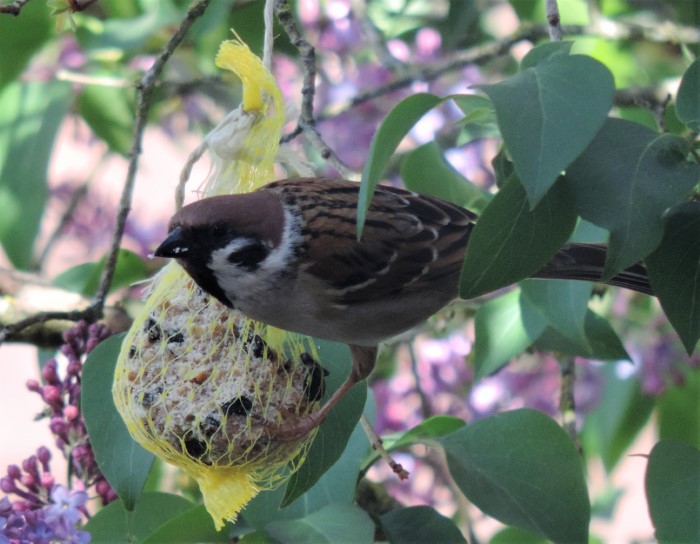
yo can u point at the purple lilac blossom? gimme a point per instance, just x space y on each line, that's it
57 520
61 393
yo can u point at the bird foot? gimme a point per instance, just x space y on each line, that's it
298 430
302 427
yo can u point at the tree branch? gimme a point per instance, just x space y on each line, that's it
567 406
144 95
554 21
307 122
14 8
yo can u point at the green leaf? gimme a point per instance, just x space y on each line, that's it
624 182
426 432
622 412
337 485
334 433
336 523
189 527
504 327
688 102
521 468
460 24
124 463
674 272
114 37
513 535
673 492
20 38
258 537
339 482
479 119
394 127
420 524
426 171
544 52
30 114
109 112
511 242
675 409
600 341
549 113
84 278
562 303
115 525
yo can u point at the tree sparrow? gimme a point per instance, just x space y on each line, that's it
288 255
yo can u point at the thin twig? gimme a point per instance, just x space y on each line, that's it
476 55
378 446
659 32
481 54
307 122
145 89
426 412
567 405
14 8
67 215
554 21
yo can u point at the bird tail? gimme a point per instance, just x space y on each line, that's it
586 262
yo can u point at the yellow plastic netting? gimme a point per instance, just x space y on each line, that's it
200 385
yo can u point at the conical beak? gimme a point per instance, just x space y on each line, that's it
174 246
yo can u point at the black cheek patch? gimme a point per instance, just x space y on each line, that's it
249 257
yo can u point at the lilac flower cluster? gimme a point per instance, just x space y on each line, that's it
352 63
62 397
46 512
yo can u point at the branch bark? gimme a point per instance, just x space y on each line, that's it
14 9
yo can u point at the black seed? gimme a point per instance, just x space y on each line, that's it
314 384
210 425
195 447
177 338
153 330
149 397
255 345
307 359
132 352
239 406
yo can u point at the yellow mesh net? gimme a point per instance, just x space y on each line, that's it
202 386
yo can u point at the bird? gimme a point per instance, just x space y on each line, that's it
288 255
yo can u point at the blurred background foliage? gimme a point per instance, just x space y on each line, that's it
68 73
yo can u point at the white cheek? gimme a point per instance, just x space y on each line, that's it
245 285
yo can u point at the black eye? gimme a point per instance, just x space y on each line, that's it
249 256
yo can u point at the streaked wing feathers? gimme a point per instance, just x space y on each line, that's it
407 238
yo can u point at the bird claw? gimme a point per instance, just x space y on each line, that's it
296 431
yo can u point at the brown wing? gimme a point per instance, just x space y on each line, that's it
409 241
